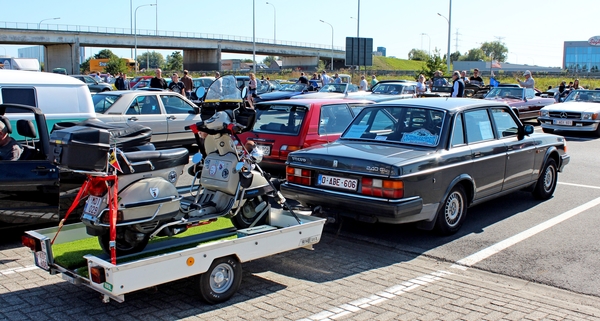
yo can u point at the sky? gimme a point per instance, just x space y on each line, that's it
534 31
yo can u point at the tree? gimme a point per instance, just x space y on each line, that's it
104 54
455 56
269 60
175 61
474 54
247 60
432 64
495 50
156 60
115 65
85 66
418 54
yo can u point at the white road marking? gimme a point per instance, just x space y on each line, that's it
580 185
380 297
18 270
487 252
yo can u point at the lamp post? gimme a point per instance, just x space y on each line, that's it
135 32
449 19
424 34
254 36
40 27
357 33
4 50
131 20
331 42
274 23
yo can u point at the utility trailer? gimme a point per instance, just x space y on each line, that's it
217 264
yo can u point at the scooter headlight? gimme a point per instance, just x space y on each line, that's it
257 155
172 177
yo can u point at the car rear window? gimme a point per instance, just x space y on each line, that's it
103 102
280 119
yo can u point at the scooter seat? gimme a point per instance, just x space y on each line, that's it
160 159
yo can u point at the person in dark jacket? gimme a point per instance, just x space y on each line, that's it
458 86
158 81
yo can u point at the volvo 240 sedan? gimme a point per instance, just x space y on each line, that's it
425 160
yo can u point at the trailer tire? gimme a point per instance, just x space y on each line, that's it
220 282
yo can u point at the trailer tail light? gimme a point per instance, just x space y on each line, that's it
97 274
106 217
382 188
285 150
31 243
299 175
97 188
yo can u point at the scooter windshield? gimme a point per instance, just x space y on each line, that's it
224 89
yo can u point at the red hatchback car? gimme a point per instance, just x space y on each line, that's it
284 126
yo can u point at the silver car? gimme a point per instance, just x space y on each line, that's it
580 111
167 113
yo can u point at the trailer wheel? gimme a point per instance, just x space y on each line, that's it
221 281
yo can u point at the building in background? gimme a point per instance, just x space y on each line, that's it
36 52
582 56
505 67
381 50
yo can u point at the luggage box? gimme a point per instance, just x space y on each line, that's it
81 148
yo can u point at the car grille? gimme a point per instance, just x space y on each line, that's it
564 114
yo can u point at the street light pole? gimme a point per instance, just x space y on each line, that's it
40 47
254 36
156 4
331 42
135 32
449 26
131 20
274 23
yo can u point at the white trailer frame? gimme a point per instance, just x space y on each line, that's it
285 235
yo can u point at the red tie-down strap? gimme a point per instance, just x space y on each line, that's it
113 202
82 191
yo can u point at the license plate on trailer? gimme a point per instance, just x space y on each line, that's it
339 182
265 149
41 260
92 205
566 122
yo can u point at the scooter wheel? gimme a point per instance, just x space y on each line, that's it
220 282
123 247
248 215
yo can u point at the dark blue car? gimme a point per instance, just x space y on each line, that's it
286 92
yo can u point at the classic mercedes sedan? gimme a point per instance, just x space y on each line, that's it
579 112
425 160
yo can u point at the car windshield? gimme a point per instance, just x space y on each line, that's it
202 82
293 87
141 84
405 124
388 89
333 88
505 92
103 102
590 96
279 119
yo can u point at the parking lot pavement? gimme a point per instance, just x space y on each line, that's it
340 279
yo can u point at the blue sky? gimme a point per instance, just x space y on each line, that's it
533 30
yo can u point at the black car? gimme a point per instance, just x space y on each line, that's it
425 160
94 85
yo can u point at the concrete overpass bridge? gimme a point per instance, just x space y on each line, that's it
201 51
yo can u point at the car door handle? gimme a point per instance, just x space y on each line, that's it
132 118
172 117
477 154
41 169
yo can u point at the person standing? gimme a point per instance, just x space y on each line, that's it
325 80
529 81
363 84
576 85
421 87
126 84
302 79
158 81
458 86
10 149
176 85
374 81
464 77
119 82
476 78
337 78
189 84
251 89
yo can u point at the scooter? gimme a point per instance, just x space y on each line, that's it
232 183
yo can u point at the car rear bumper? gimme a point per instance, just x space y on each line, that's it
367 209
578 125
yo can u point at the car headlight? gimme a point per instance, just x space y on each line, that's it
589 116
544 113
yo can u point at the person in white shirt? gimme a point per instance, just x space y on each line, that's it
421 87
363 84
324 78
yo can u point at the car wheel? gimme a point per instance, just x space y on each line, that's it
221 280
453 211
547 130
546 184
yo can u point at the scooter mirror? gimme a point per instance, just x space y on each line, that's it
197 158
257 155
239 166
200 91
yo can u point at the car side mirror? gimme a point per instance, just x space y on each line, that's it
200 92
528 129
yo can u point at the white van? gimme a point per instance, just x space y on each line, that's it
61 98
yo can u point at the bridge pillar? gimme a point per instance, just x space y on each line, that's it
202 59
300 62
64 55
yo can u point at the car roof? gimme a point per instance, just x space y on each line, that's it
22 77
316 101
135 92
399 82
449 104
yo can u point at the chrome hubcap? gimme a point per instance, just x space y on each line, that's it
549 179
453 209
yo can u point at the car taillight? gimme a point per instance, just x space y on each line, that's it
285 150
97 274
382 188
299 175
31 243
97 188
